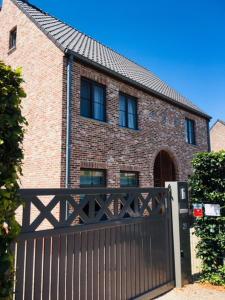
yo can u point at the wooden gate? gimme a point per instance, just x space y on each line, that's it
94 244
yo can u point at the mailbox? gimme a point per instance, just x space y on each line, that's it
181 232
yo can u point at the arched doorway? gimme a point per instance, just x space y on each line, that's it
164 169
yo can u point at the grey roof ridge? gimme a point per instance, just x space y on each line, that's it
132 81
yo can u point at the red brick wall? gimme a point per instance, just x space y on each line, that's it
217 136
42 64
107 146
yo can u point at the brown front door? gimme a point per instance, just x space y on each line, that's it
164 169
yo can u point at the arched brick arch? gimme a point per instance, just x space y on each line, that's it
165 167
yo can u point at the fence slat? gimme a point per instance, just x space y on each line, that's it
145 253
38 269
90 266
107 265
137 261
77 270
46 268
29 269
69 279
133 260
83 270
55 268
21 252
149 256
154 258
62 267
142 273
96 265
101 265
123 263
118 263
113 263
128 239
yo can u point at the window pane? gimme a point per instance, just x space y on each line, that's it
85 89
131 106
12 39
98 103
192 131
92 178
85 102
132 113
123 118
98 178
85 108
186 131
128 179
123 114
131 121
98 112
122 103
85 178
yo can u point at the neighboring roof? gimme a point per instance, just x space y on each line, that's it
217 121
69 39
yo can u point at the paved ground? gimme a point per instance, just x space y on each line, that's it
195 292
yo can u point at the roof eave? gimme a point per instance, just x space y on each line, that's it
136 84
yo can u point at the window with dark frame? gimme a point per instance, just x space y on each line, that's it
190 131
12 38
93 100
128 111
92 178
129 179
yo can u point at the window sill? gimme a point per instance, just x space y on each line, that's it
193 145
11 50
95 120
131 129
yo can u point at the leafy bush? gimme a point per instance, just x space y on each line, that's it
216 278
11 154
208 186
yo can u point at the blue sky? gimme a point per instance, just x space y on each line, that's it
183 42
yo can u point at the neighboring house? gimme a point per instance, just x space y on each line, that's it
95 117
217 136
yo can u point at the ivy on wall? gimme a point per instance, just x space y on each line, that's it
12 125
208 186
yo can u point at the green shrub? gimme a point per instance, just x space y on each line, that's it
208 186
11 154
216 278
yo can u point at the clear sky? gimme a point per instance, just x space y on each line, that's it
183 42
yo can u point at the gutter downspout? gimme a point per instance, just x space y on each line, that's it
68 118
209 138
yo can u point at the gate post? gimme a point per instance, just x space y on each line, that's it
181 231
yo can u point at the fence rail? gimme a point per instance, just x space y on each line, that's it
69 207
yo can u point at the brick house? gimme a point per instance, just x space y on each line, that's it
95 117
217 136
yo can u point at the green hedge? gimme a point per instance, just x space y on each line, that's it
208 186
11 154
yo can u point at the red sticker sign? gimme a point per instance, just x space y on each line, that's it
198 210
